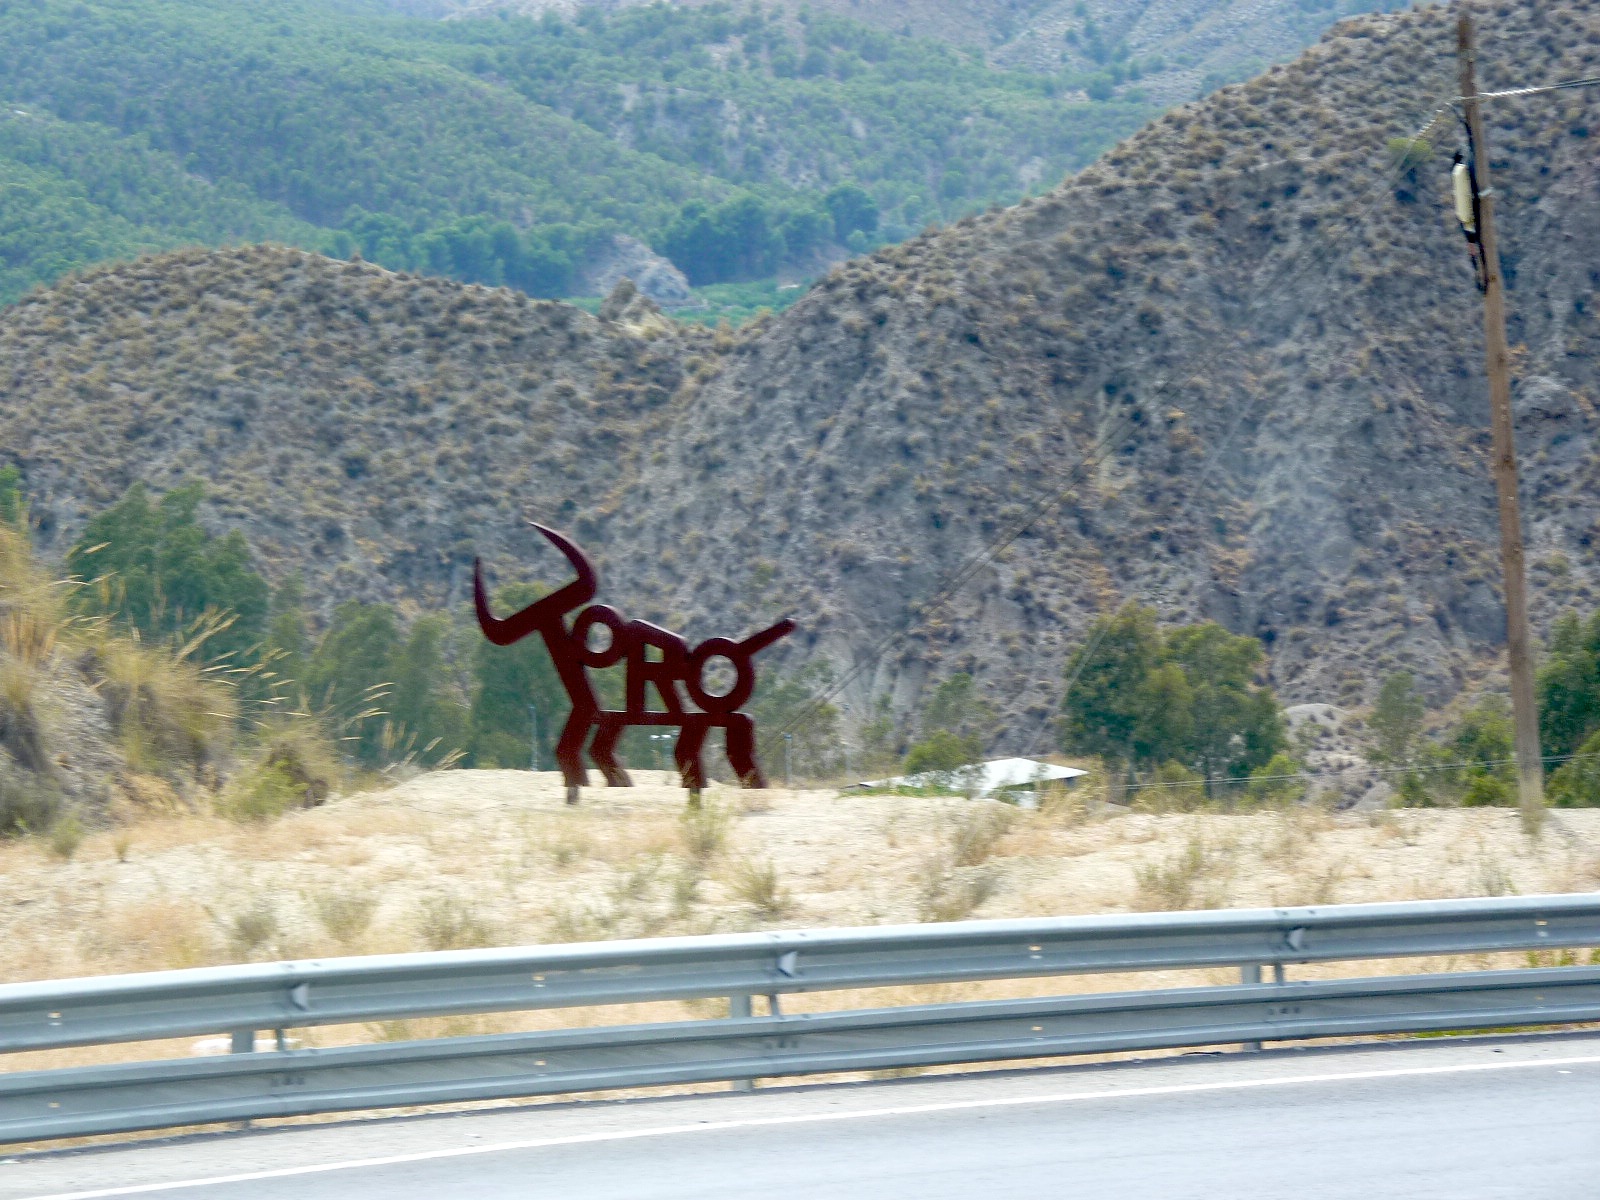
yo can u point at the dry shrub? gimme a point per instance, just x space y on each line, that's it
30 623
66 835
1187 879
704 830
29 803
973 838
758 885
685 891
168 712
951 893
295 768
446 922
156 933
579 923
1063 806
346 915
252 929
1295 828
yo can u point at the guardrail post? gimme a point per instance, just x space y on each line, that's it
244 1041
1250 973
739 1006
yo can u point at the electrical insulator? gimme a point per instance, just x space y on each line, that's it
1461 178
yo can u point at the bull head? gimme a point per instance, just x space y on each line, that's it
544 612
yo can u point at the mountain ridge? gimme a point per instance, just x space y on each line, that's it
1322 484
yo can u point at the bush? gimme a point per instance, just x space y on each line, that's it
1408 154
1483 741
1171 787
156 570
28 803
944 755
1277 782
758 885
1488 791
446 923
951 893
266 792
345 915
66 835
1576 783
168 712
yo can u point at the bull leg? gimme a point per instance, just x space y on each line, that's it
740 733
569 752
686 753
604 752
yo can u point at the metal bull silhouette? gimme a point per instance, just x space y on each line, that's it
633 641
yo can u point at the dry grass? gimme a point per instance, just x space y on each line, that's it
472 858
166 709
352 875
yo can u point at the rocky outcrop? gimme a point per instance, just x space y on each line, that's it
629 258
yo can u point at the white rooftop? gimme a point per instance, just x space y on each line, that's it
990 776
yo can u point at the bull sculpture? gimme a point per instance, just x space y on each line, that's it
674 666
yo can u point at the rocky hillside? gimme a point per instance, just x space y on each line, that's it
365 428
1236 366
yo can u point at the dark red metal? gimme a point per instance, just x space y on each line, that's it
633 641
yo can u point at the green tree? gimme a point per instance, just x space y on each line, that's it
945 755
391 693
1396 720
427 717
508 681
956 706
1237 726
349 677
1482 742
1140 697
1568 684
791 702
152 566
1576 783
853 210
1105 710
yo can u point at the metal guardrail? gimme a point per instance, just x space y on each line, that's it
280 996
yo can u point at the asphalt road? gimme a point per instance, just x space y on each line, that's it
1516 1118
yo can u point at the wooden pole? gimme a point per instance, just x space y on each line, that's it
1530 766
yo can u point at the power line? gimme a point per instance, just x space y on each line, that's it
1592 81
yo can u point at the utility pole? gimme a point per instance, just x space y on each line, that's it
1524 708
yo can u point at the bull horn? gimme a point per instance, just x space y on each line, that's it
542 612
758 642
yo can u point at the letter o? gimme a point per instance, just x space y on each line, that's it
600 614
745 676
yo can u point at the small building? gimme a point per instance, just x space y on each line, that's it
985 778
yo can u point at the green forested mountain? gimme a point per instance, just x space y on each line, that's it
503 150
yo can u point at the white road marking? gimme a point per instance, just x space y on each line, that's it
904 1110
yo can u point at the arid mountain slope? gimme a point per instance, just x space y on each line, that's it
1272 335
366 429
1277 337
